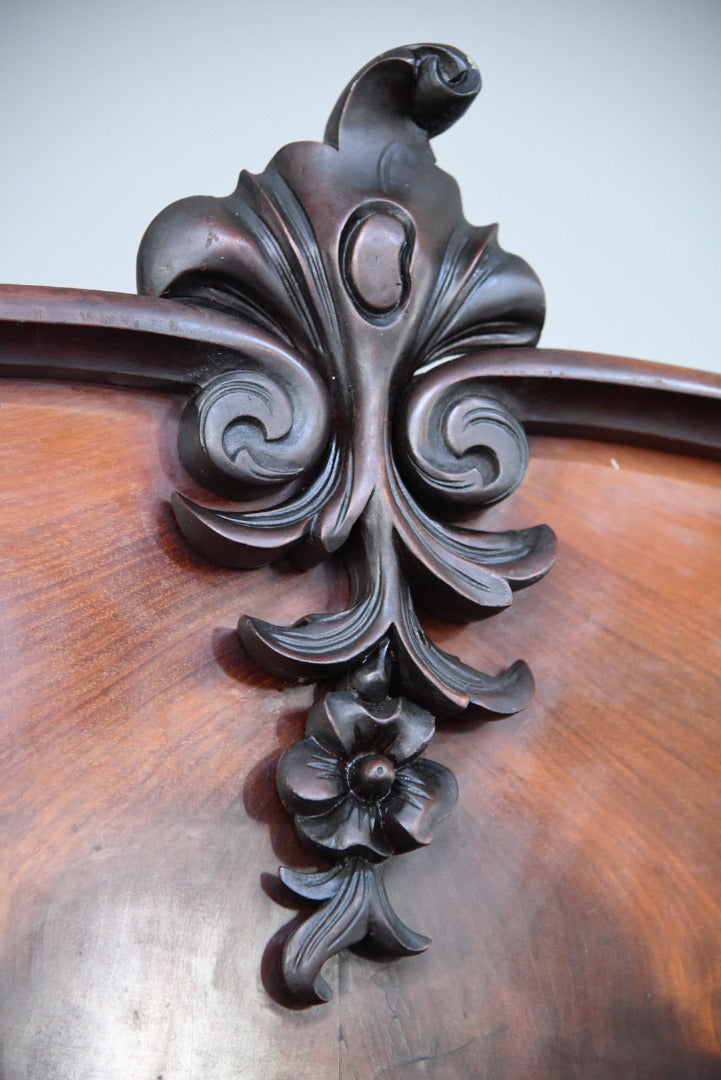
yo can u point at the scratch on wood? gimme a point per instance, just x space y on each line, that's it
423 1057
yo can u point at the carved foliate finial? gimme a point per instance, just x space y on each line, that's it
350 271
349 266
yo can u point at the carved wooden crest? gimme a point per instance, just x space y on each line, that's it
356 423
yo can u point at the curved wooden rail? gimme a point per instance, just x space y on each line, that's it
577 930
142 341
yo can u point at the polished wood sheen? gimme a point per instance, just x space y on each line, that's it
331 364
141 822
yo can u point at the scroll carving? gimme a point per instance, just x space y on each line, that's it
356 423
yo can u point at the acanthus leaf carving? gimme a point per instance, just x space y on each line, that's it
364 434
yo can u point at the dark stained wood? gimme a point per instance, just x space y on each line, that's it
354 255
140 819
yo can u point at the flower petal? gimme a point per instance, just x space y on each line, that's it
351 826
413 725
395 727
424 793
341 720
310 779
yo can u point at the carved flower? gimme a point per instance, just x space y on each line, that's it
357 784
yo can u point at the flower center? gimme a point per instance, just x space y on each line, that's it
371 776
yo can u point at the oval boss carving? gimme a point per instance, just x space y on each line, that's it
360 432
375 253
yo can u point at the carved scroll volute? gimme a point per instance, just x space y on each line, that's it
349 266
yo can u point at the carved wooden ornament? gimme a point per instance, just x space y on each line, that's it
357 423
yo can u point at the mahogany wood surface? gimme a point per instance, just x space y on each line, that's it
142 829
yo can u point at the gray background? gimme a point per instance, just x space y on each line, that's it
594 142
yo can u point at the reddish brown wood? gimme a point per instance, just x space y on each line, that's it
582 863
562 390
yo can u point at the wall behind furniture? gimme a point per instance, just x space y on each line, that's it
594 143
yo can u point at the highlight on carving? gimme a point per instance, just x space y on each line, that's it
360 792
359 423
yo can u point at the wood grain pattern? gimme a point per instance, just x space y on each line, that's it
140 821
